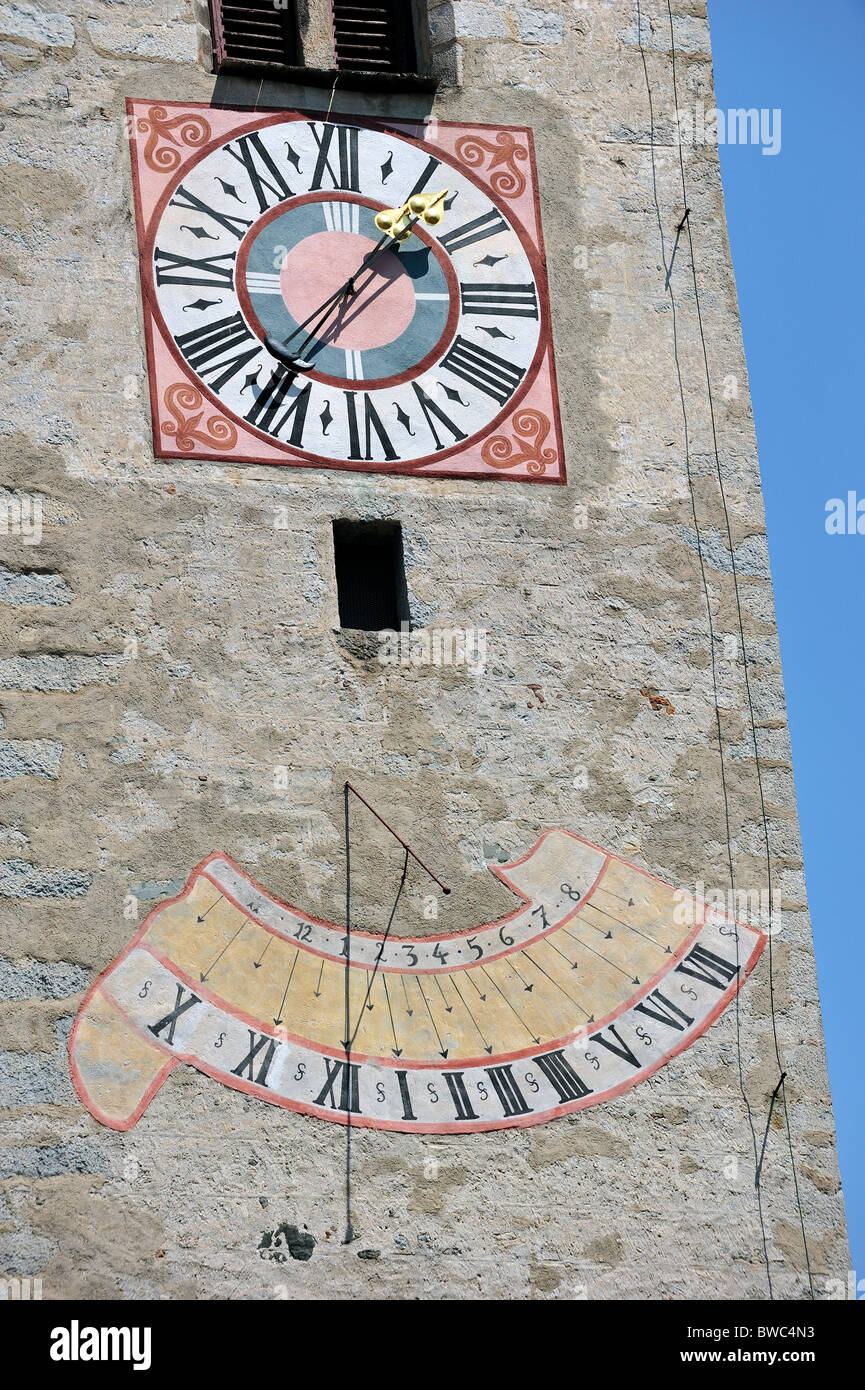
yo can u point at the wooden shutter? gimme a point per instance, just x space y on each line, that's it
376 37
255 32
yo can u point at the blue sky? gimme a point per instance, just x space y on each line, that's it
797 229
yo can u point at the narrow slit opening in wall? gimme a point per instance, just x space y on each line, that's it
370 575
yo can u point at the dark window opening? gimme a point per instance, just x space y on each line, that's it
256 32
374 37
370 575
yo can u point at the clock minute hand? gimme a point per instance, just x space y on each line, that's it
278 346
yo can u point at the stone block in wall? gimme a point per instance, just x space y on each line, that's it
27 24
161 43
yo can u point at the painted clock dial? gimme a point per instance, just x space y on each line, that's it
439 360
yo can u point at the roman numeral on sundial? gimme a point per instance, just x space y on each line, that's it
561 1075
372 425
459 1095
512 1100
170 1020
346 1074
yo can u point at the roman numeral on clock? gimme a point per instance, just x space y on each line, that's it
202 346
186 270
425 177
253 155
432 412
346 175
520 301
494 375
512 1099
561 1075
271 399
236 225
470 232
372 423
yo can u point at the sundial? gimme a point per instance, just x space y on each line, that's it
593 981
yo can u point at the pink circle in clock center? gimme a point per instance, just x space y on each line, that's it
381 310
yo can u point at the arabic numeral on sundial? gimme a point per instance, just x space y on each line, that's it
541 912
303 933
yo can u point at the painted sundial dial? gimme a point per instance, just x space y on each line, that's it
595 980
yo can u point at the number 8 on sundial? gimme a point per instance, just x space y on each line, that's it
287 323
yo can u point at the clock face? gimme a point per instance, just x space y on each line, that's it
599 977
428 355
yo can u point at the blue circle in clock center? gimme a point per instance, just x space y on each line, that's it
297 259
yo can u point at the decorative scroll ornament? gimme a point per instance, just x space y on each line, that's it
599 976
187 129
531 428
187 407
510 181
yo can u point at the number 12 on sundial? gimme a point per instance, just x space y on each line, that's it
287 325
